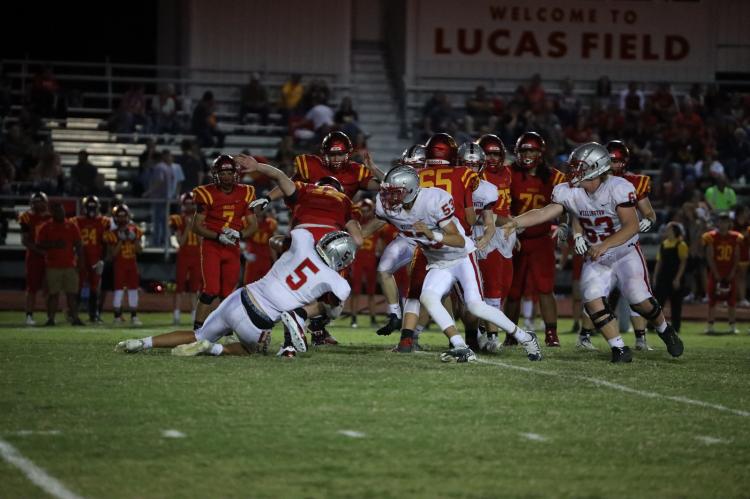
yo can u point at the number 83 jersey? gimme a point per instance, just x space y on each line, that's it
597 212
297 278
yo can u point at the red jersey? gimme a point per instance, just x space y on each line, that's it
501 178
458 181
92 236
68 233
258 242
31 223
192 247
369 243
127 253
724 248
320 205
353 177
528 192
642 184
222 209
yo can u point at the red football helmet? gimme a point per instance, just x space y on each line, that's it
187 203
619 154
441 149
494 150
335 149
90 206
332 182
39 202
530 148
121 214
225 163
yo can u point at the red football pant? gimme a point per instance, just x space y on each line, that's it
34 272
220 268
364 271
188 275
497 275
713 299
126 275
417 273
533 268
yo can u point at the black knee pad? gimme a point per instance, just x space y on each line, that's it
602 317
206 299
652 314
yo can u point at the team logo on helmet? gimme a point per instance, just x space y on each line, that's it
471 155
336 148
414 156
337 250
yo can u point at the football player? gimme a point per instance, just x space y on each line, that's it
532 181
722 256
298 277
605 206
188 268
123 246
31 221
92 226
223 218
363 271
428 215
258 255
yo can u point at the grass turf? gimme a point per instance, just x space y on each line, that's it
265 427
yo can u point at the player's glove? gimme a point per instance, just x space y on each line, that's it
226 240
249 257
645 225
131 235
581 245
260 203
231 234
563 231
98 267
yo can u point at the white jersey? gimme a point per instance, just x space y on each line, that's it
485 198
597 212
297 278
435 208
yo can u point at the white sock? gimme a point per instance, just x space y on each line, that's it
527 308
117 298
661 327
457 341
493 302
216 349
616 342
192 316
133 299
521 335
148 342
394 308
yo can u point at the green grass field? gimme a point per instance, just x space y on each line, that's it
358 421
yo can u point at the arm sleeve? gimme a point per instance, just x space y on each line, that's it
624 195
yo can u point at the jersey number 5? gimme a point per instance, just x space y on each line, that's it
296 279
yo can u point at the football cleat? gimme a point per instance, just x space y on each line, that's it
118 321
493 344
30 321
135 321
673 341
129 346
533 350
192 349
353 324
393 324
641 344
621 355
296 327
584 343
733 328
482 339
323 337
551 339
460 355
406 345
709 329
287 353
510 340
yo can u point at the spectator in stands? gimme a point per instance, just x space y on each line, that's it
721 197
733 148
16 147
164 109
101 189
694 218
291 96
205 124
177 176
579 133
663 102
534 93
568 104
480 112
61 242
346 118
632 100
690 120
254 99
192 168
708 165
82 175
44 93
319 118
437 114
603 91
285 155
160 182
359 150
47 175
132 111
671 262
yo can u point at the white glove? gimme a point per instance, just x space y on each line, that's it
249 257
231 233
98 267
226 240
581 245
645 225
259 203
563 231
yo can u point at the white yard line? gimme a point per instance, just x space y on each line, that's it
534 436
622 388
172 434
34 473
352 433
710 440
26 433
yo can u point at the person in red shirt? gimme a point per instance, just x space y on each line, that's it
92 226
31 221
223 218
258 255
531 187
363 271
188 268
722 255
123 246
60 239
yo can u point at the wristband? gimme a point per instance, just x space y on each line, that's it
437 237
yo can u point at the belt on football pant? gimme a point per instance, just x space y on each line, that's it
256 315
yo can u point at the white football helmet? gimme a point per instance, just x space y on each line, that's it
587 162
414 156
471 155
337 249
400 186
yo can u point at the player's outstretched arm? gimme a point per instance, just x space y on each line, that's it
533 217
649 215
353 228
250 165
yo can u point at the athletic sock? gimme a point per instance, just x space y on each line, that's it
662 327
457 341
216 349
616 342
521 336
148 342
640 333
394 308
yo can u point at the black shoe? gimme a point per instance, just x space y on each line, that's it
77 322
322 337
673 342
621 355
394 324
459 355
50 322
